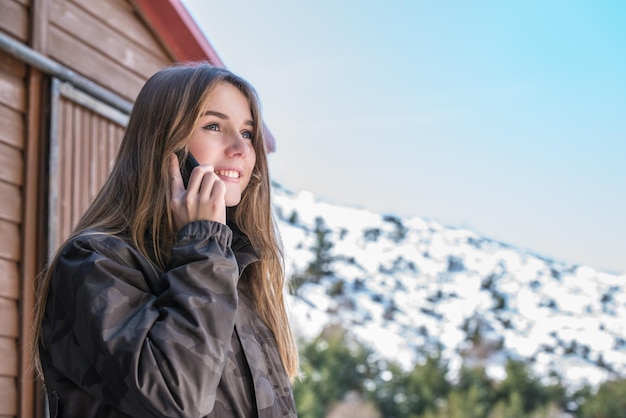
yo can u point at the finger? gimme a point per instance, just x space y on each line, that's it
196 177
218 192
176 181
208 183
217 202
211 197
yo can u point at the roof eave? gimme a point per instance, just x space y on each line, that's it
174 25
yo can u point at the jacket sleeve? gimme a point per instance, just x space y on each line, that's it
146 354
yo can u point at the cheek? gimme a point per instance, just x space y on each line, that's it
202 150
251 164
251 159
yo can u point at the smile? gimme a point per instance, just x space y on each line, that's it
232 174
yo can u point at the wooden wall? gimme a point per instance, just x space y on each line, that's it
12 134
86 142
106 41
14 18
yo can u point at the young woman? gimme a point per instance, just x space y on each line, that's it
167 301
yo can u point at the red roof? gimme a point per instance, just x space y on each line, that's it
180 34
178 31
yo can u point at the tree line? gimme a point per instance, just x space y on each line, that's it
337 368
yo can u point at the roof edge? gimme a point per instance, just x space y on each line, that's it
175 26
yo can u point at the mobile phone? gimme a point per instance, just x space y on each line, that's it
190 163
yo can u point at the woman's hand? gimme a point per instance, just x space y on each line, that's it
203 199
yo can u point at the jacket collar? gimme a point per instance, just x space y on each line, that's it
245 253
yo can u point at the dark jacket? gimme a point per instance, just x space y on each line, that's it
122 338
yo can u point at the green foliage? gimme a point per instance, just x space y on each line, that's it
509 407
520 386
608 402
474 382
461 404
293 218
402 394
337 288
334 365
322 260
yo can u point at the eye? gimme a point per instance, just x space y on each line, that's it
247 135
212 127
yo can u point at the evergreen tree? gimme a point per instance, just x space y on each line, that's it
520 384
322 259
335 365
332 366
608 402
320 266
476 379
461 404
416 392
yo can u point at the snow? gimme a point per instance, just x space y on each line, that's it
413 285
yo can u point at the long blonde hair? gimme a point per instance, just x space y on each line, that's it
135 198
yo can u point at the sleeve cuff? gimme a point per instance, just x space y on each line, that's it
203 229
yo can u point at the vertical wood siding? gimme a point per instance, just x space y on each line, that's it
86 144
12 134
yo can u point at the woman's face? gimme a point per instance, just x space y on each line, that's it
223 138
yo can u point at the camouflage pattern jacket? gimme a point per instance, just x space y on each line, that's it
122 339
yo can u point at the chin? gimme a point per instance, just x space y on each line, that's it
232 201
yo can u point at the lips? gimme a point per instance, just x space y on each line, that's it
228 173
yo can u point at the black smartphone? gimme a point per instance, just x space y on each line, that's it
190 163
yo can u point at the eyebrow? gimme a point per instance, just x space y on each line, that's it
223 116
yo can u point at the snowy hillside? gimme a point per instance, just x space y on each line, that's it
407 287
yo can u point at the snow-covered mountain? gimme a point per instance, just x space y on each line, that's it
407 287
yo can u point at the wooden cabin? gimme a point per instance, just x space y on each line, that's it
69 71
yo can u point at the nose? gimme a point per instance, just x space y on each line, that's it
239 147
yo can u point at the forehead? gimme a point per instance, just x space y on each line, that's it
223 93
227 102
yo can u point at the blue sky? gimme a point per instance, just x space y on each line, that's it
508 118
